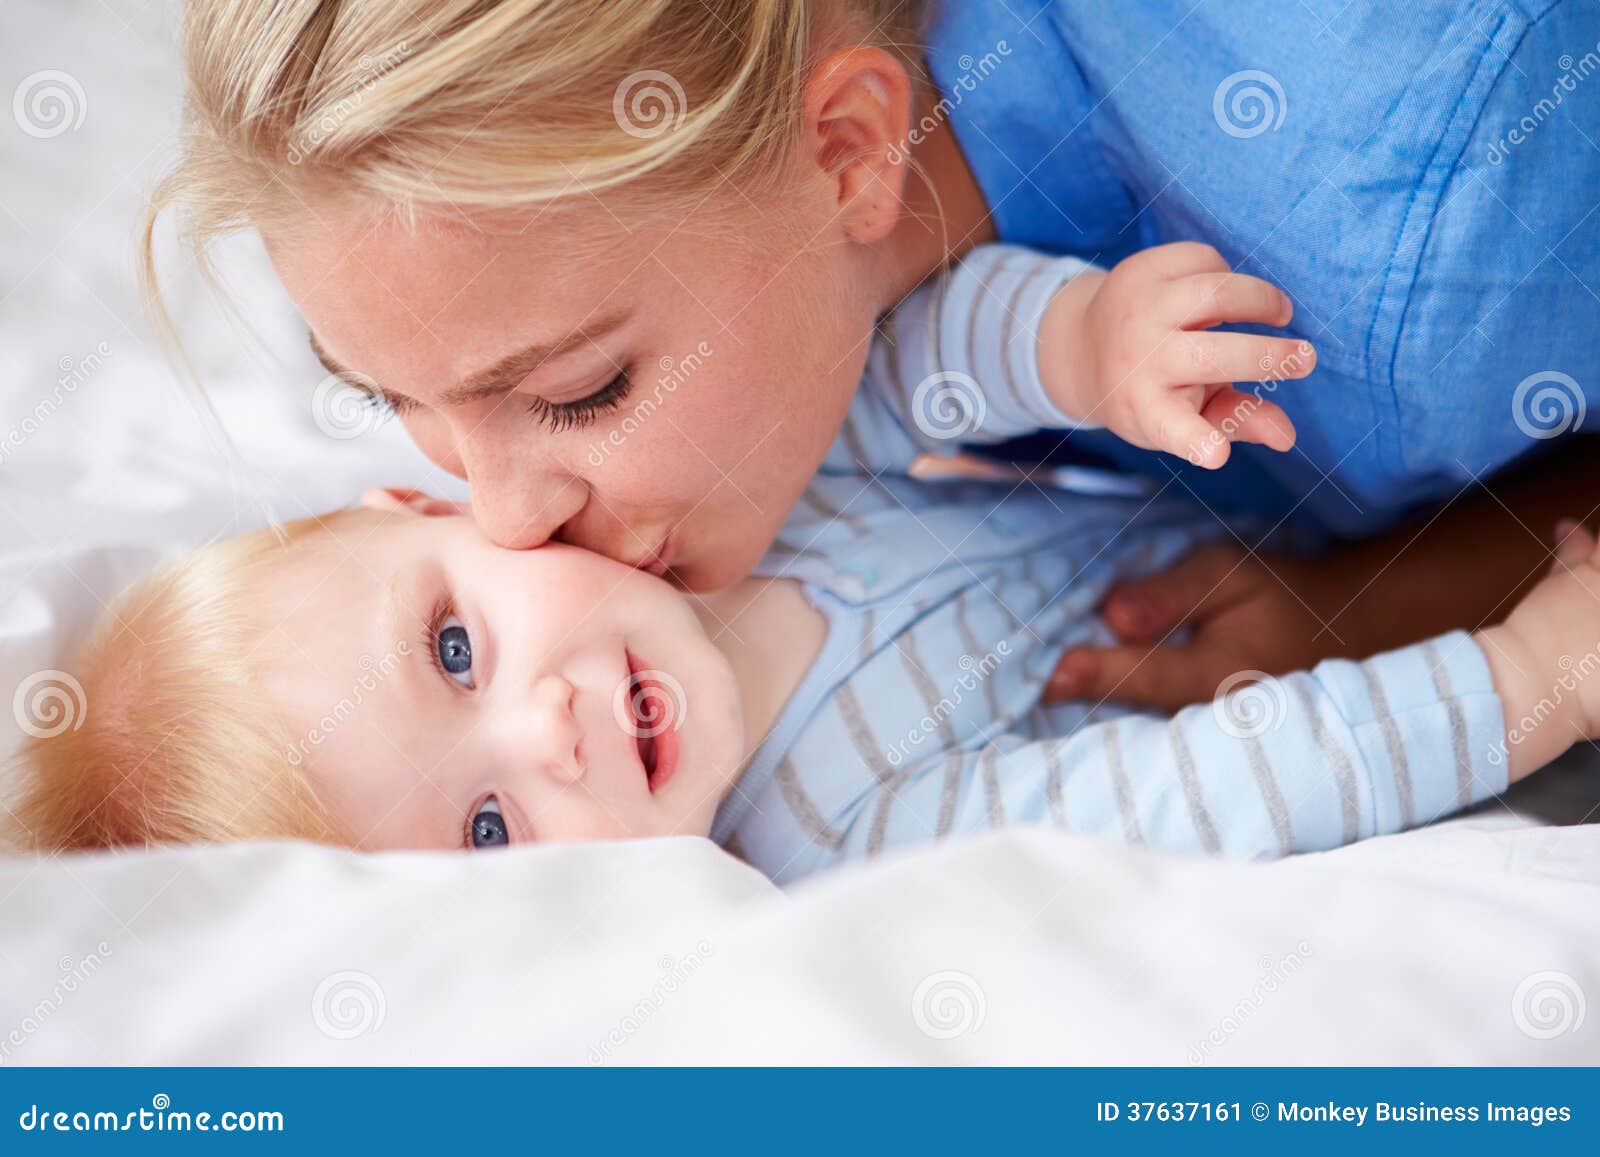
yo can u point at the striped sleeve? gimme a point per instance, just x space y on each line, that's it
1302 763
957 362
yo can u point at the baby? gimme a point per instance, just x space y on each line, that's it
385 677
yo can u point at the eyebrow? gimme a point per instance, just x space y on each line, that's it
501 377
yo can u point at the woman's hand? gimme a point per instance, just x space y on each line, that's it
1252 613
1249 616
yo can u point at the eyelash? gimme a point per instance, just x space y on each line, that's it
555 416
572 415
430 636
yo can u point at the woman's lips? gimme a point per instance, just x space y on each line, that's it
658 561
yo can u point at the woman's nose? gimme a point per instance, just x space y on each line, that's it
554 743
516 500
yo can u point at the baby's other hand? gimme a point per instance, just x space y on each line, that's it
1144 366
1546 655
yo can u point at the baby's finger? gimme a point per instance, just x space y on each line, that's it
1574 544
1249 418
1181 431
1178 259
1238 357
1203 300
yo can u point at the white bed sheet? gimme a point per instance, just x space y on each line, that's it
1475 941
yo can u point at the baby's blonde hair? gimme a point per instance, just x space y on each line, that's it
461 105
173 740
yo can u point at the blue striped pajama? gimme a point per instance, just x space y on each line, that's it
949 602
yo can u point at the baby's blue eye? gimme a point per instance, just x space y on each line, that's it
455 651
489 826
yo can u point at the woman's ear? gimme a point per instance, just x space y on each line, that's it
395 500
857 126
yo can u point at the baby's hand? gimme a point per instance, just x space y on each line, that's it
1546 656
1129 350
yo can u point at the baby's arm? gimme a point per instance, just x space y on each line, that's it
1011 341
1303 763
956 363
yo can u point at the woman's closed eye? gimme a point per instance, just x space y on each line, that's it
555 416
559 416
487 826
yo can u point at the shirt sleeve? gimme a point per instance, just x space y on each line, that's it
1304 763
956 363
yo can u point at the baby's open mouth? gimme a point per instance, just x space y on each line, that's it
654 713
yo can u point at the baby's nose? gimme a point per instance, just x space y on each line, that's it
556 730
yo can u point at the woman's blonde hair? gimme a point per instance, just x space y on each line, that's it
462 105
171 739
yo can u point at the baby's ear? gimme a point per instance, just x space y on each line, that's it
393 499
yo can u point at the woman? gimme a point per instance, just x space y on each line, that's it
508 220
